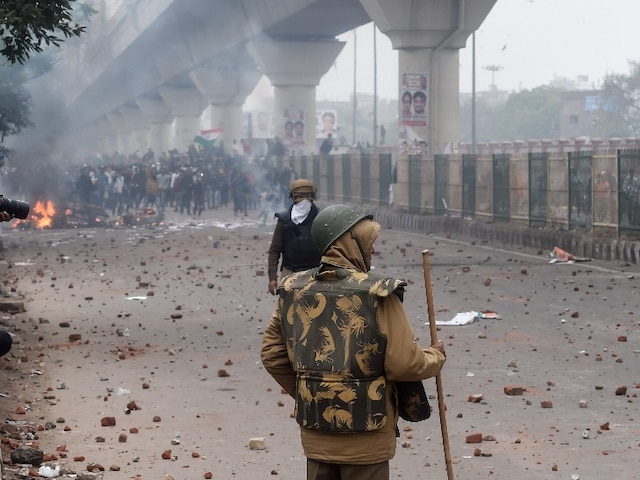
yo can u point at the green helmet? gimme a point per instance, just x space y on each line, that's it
332 222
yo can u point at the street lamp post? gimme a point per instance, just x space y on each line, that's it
375 91
355 86
473 93
493 69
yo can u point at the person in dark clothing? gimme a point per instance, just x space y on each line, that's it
84 185
292 236
241 188
6 340
198 194
277 148
327 145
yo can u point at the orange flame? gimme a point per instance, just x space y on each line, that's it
41 215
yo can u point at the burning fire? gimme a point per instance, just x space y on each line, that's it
41 215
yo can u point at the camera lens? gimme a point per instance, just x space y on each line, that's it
15 207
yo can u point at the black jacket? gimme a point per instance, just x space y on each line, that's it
298 250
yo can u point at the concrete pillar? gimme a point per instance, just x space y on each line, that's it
186 105
103 135
428 35
295 69
161 122
139 129
225 90
120 138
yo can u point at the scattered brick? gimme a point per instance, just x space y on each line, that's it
514 390
621 390
108 421
474 438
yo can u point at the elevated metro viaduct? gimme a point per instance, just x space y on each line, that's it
143 77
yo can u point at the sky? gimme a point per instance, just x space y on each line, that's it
534 41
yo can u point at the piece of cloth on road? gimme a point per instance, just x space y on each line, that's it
462 318
558 255
465 318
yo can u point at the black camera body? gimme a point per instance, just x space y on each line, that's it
14 207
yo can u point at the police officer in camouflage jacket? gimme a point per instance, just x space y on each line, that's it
339 342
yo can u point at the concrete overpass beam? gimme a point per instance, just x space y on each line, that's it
186 105
225 90
295 69
428 35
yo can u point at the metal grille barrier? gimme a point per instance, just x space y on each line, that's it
469 166
580 190
538 172
629 192
501 188
555 191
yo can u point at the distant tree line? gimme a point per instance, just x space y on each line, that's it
536 113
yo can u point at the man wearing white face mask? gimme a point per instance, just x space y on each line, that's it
292 235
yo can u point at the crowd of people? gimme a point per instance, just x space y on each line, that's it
188 183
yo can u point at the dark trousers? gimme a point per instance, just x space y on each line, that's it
333 471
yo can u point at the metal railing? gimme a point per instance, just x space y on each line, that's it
589 190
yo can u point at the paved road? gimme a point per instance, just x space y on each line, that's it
170 308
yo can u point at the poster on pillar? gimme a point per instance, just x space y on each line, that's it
326 123
414 113
261 124
293 136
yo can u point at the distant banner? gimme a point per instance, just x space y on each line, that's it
326 122
414 113
261 124
294 127
413 99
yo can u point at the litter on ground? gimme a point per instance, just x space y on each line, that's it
558 255
465 318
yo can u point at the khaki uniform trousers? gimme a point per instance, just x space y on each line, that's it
333 471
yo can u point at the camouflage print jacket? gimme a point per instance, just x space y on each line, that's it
336 349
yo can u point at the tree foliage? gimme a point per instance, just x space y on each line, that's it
533 113
14 102
526 114
27 26
28 30
625 89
